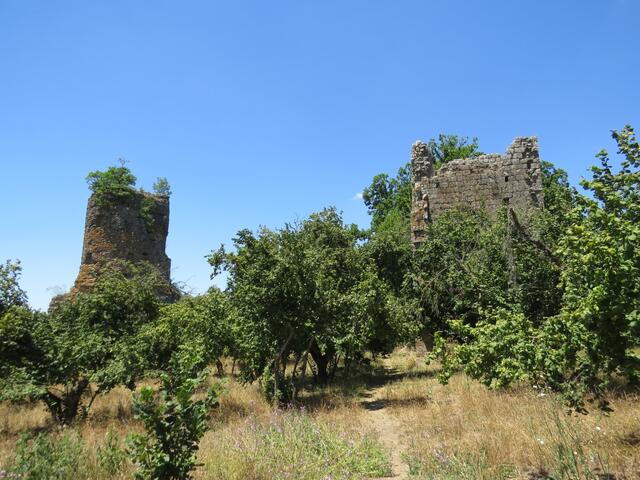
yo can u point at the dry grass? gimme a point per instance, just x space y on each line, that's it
461 430
472 432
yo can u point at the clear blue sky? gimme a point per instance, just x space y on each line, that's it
259 112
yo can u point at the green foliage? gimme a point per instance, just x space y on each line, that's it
388 200
305 290
173 419
204 321
91 339
48 457
146 209
601 270
162 187
578 338
460 269
110 456
452 147
10 292
114 184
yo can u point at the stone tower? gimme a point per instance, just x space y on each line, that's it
488 181
133 228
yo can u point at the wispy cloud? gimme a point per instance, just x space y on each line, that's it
357 196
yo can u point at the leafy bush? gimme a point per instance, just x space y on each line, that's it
48 457
115 183
173 419
203 321
110 456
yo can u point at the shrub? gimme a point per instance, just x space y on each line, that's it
110 456
48 457
115 183
174 421
162 187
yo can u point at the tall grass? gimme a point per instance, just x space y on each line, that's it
463 430
292 445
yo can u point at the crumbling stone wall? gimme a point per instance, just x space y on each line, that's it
488 181
133 228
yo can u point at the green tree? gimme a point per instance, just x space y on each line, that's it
452 147
162 187
389 199
307 290
115 183
88 340
601 274
204 321
10 292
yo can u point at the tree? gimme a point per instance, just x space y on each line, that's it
10 292
87 340
452 147
112 184
601 275
203 321
307 290
162 187
389 199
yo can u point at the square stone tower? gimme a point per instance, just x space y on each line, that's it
489 181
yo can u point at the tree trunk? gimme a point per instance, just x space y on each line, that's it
64 409
322 363
427 339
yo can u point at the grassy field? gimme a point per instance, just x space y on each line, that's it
392 421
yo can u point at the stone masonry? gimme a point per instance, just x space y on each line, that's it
120 231
488 181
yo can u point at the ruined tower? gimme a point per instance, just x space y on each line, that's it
487 181
133 228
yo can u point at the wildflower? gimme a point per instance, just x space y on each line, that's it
540 441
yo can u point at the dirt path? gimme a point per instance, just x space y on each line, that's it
389 429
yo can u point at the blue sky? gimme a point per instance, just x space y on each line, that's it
262 112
